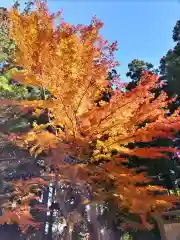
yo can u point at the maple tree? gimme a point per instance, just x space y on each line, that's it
73 63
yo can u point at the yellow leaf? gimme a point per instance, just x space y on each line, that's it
86 201
33 149
38 151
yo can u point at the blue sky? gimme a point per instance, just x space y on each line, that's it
142 28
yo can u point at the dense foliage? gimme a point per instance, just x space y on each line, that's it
135 70
7 46
73 63
170 65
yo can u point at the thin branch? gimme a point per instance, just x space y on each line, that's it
110 114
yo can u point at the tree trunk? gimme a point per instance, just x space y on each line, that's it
50 219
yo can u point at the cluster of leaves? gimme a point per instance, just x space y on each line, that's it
170 65
74 72
169 71
8 87
135 70
10 90
7 46
169 68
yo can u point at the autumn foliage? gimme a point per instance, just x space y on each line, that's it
73 62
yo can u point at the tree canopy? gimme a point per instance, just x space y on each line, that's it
73 63
170 65
135 70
